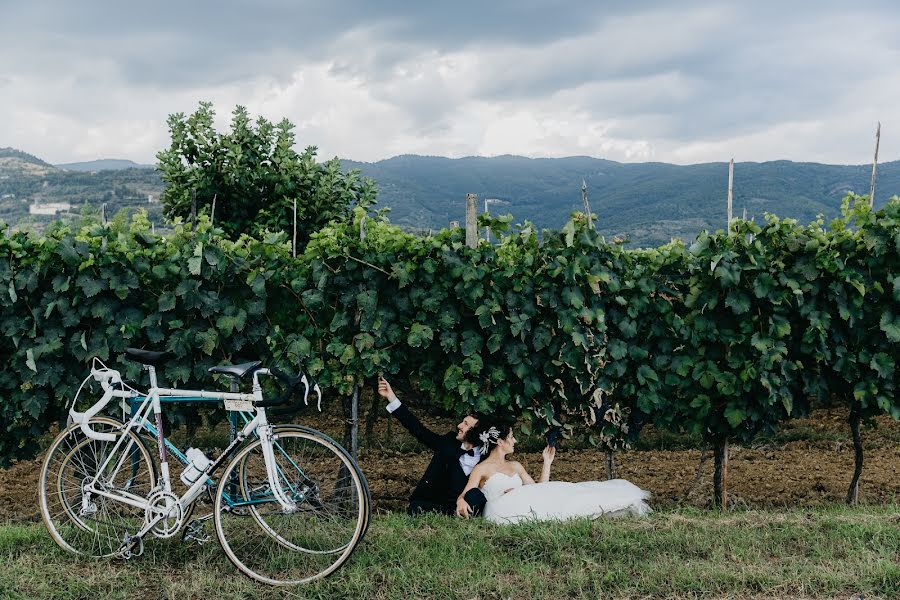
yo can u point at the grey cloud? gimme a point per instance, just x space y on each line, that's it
736 74
171 42
676 72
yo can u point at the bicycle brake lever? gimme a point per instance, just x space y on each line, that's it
318 391
305 382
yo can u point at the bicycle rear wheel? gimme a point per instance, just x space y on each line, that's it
310 542
86 523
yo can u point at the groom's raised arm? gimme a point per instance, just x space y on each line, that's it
407 419
415 427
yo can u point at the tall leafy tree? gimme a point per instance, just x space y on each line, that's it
248 178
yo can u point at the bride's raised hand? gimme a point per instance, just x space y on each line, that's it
549 454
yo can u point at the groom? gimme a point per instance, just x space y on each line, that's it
453 461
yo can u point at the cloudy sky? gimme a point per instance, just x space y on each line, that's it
675 81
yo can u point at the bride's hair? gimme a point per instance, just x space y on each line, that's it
487 433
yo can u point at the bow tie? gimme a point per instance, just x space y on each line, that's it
470 451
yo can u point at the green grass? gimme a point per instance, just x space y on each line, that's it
822 553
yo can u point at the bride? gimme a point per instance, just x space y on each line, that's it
513 496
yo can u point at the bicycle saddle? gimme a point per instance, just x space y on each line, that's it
147 357
239 371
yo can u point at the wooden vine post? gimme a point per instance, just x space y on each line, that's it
610 464
294 239
855 417
730 190
471 220
351 428
194 209
874 164
587 206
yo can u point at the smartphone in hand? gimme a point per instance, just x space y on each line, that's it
551 436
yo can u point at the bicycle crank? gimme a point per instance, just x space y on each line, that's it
164 514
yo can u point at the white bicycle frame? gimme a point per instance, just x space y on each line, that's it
109 378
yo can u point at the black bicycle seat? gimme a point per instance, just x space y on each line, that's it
239 371
147 357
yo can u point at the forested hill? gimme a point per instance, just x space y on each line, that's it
27 183
648 202
104 164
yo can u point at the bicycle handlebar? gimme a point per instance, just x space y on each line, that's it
291 384
106 377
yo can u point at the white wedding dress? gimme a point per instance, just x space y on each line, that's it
508 501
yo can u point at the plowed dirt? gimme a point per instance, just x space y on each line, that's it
813 468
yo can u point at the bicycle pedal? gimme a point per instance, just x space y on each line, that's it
132 547
194 532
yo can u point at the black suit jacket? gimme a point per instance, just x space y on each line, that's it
444 479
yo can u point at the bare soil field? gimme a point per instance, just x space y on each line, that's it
808 463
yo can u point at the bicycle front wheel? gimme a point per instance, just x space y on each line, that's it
367 495
317 535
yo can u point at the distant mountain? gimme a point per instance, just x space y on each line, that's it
104 164
15 162
649 203
23 156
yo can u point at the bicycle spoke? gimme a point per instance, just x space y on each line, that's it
310 541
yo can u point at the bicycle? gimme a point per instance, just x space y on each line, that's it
193 529
302 495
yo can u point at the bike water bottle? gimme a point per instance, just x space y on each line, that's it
197 463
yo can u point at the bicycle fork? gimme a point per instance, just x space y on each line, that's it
266 437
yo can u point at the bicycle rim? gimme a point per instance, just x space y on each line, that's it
280 548
367 495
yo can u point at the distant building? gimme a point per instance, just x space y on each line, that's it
48 208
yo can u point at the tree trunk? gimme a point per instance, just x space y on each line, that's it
351 434
346 402
720 473
853 491
351 423
371 417
610 464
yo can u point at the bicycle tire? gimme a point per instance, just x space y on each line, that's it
310 542
367 492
